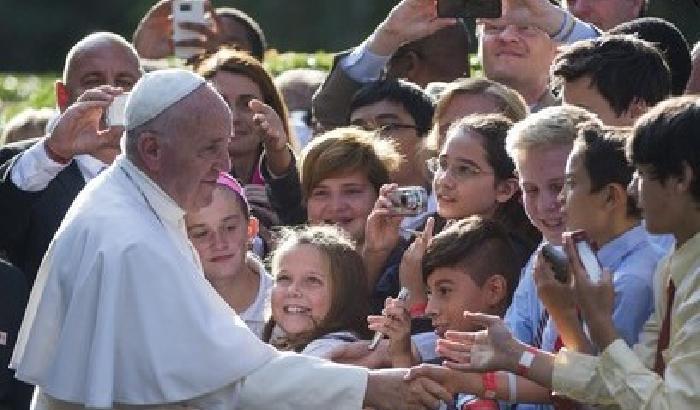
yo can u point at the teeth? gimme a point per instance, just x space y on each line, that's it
295 309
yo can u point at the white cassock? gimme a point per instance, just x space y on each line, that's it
121 315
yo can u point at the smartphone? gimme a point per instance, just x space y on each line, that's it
559 261
115 112
190 11
587 256
409 200
469 8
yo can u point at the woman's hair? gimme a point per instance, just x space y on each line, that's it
345 150
492 130
239 62
349 300
508 101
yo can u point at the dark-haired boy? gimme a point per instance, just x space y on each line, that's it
471 265
615 77
402 112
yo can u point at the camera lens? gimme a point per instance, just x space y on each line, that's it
186 7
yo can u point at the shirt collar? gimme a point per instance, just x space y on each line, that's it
163 205
684 258
612 253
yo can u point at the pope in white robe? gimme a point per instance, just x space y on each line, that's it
121 315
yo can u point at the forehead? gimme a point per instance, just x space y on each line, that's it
464 144
202 116
455 274
348 178
303 257
223 205
102 56
463 104
235 84
543 163
379 110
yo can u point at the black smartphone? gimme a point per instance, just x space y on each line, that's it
559 262
469 8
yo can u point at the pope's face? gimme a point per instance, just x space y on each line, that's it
197 151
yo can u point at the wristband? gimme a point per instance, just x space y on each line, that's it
54 156
417 309
525 361
490 384
512 388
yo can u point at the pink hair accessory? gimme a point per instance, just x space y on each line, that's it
226 180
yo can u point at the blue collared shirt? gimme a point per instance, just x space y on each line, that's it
632 258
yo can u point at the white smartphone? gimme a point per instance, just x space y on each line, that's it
190 11
587 256
115 112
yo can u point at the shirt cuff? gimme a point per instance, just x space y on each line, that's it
362 65
572 372
34 170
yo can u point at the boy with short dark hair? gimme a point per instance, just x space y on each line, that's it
616 77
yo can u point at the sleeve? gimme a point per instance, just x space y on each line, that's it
619 374
331 102
285 193
321 347
579 30
524 309
15 208
287 382
33 170
362 65
634 300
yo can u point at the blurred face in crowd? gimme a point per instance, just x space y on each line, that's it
517 56
658 201
396 124
605 14
461 105
99 62
220 232
541 174
344 200
196 149
234 32
238 90
451 291
301 297
582 94
581 208
463 180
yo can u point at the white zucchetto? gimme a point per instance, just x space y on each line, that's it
157 91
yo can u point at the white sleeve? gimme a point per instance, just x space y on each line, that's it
34 170
362 65
293 381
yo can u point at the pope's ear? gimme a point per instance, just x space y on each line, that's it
150 149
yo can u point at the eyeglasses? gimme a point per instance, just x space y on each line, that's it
522 31
460 171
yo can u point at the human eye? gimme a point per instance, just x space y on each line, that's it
529 189
314 280
125 82
319 193
282 278
198 233
556 187
231 227
444 291
464 170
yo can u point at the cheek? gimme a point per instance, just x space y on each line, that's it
314 210
320 303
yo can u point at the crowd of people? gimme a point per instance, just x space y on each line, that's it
237 241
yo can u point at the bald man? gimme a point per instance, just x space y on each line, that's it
122 316
39 178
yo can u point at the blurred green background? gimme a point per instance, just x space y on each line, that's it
38 33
